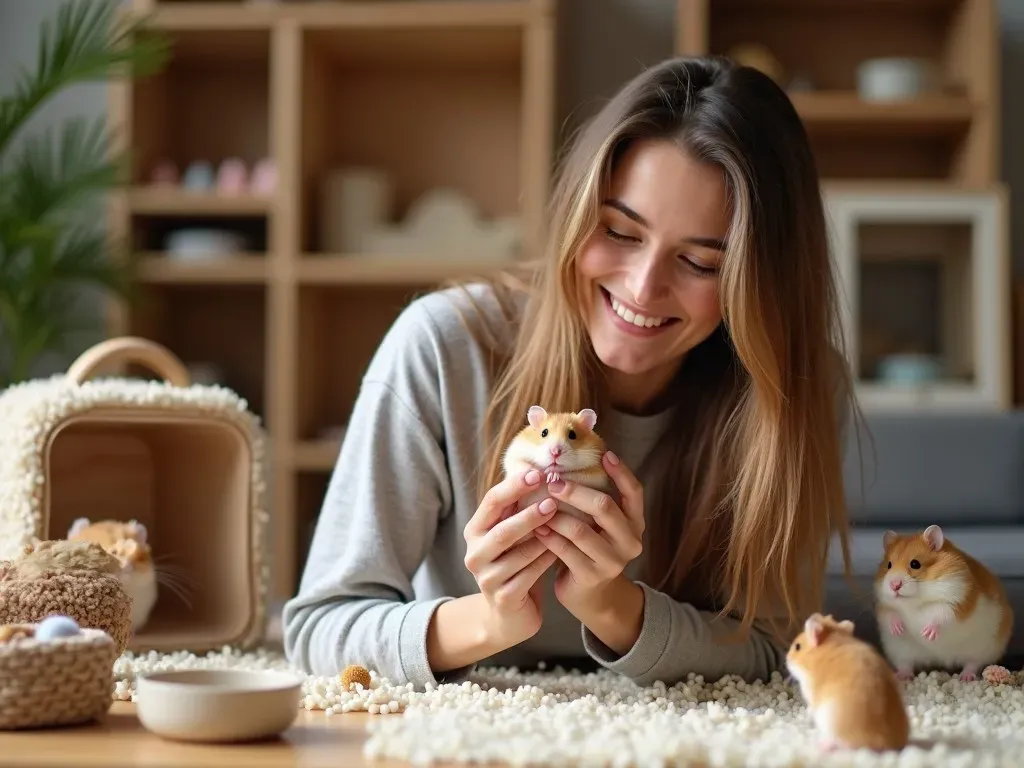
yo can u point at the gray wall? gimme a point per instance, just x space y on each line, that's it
639 32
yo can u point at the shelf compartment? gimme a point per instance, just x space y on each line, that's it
340 328
925 272
949 133
426 107
316 455
220 326
210 103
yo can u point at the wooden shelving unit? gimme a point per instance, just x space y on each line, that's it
454 93
920 267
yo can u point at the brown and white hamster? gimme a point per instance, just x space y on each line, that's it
850 690
938 606
560 446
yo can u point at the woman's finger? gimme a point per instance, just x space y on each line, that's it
583 537
498 499
506 534
565 550
601 507
515 590
630 490
493 575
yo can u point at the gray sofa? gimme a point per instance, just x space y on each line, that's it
962 471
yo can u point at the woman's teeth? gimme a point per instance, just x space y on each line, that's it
632 317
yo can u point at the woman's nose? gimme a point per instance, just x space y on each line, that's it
645 281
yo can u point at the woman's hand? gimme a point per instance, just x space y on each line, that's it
595 556
507 560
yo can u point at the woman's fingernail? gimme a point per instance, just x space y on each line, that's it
612 458
557 486
548 506
532 477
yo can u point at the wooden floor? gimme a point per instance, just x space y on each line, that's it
314 741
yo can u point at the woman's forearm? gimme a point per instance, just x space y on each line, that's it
615 616
462 632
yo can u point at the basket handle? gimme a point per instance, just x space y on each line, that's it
124 349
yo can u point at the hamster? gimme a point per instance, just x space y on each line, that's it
561 446
129 543
938 607
850 690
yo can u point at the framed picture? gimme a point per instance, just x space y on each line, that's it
925 279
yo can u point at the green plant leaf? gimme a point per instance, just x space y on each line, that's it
87 40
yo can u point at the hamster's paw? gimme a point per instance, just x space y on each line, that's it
828 744
904 674
969 674
554 477
931 631
896 625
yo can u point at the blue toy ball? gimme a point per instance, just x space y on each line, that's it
56 626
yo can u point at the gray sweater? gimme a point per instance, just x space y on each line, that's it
389 547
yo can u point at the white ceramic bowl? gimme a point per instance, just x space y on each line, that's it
217 705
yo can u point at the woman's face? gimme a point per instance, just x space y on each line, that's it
650 270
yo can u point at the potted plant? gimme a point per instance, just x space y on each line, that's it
53 252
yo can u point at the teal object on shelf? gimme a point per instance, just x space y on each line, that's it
910 369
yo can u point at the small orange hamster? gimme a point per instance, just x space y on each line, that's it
849 688
938 606
561 446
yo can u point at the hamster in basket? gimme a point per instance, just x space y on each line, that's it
560 446
128 542
938 606
850 690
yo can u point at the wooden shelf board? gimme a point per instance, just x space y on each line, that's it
372 269
315 455
847 112
419 14
159 201
817 7
155 267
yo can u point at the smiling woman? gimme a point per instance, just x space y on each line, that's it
684 308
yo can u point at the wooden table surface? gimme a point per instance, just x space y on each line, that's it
314 740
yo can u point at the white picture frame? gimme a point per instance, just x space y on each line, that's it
989 272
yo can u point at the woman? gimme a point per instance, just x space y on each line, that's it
686 294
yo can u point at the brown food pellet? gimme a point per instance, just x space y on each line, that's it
354 673
10 632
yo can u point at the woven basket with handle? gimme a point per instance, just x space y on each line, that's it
185 460
63 681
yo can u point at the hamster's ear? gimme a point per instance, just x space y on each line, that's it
587 417
78 526
536 415
815 628
888 538
933 535
141 534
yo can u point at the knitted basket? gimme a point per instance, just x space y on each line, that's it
185 460
64 681
94 600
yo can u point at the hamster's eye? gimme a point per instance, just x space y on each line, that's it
572 434
915 564
890 565
796 646
544 432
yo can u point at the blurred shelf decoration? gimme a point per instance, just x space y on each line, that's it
888 89
925 274
301 171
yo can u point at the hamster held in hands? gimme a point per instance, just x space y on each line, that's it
938 607
849 688
560 446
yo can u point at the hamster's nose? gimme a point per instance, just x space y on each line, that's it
555 450
896 585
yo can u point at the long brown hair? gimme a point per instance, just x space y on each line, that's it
753 486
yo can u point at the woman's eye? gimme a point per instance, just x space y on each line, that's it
700 269
614 235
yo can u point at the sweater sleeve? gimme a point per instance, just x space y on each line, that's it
386 497
677 639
